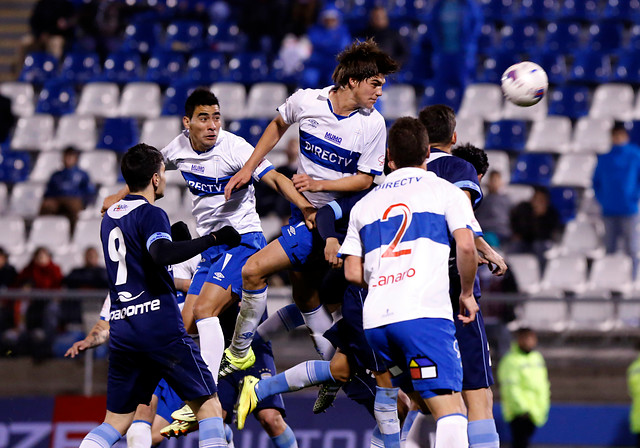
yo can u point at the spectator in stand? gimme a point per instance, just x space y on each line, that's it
387 38
303 15
69 190
616 183
493 216
535 225
8 276
328 38
89 276
52 23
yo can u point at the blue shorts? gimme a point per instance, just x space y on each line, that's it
223 267
474 349
361 388
299 243
168 401
263 367
133 375
425 350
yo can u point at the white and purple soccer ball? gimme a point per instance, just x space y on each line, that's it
524 83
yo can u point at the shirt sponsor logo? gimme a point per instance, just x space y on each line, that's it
333 138
126 296
134 310
385 280
197 169
324 154
398 183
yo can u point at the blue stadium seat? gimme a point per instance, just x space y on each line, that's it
520 37
634 38
533 169
434 94
627 69
141 35
507 135
248 68
565 200
622 10
495 64
418 68
540 10
634 132
176 95
563 37
122 67
570 101
14 166
164 67
184 35
585 10
501 11
119 134
591 67
206 67
555 64
605 36
57 97
489 38
250 129
38 67
226 38
80 67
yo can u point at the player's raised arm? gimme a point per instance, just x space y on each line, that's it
283 185
358 182
113 198
272 135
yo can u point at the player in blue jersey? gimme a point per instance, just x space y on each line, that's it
342 148
148 341
440 122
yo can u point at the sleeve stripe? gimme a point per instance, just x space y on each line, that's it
266 170
336 209
158 236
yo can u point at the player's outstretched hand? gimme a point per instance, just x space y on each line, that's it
239 179
468 308
303 182
76 348
494 261
331 248
227 235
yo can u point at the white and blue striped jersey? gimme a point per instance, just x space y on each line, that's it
401 230
207 174
334 146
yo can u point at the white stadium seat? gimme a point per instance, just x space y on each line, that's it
553 134
22 97
574 170
87 234
233 98
99 99
33 133
543 314
172 201
499 161
78 131
612 101
264 98
46 164
592 135
158 132
399 100
482 100
581 237
610 275
564 274
526 269
26 198
100 165
3 197
518 193
470 130
13 235
52 232
536 112
271 226
140 99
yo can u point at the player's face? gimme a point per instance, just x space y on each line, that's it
367 92
160 181
204 127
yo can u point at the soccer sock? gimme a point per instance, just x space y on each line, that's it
286 318
211 343
254 303
104 436
308 373
285 440
318 321
386 412
212 433
406 426
376 438
139 434
483 434
451 431
422 432
228 433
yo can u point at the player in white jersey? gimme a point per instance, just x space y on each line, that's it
342 143
398 244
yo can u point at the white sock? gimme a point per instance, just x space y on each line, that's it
139 435
253 306
318 321
451 432
286 319
422 433
211 343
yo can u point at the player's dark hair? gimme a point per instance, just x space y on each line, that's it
139 164
474 155
199 97
408 142
360 61
440 121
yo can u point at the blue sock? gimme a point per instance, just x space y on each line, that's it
212 433
228 433
308 373
376 438
483 434
406 427
104 436
386 413
285 440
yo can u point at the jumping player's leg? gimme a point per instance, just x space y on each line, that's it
279 432
139 434
109 432
211 427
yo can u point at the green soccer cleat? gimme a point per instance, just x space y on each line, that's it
179 428
247 399
231 364
184 414
326 397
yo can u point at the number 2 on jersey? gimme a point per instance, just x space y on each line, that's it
118 254
406 220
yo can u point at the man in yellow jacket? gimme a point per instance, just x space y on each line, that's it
524 388
633 379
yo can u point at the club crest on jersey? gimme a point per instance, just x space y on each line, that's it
197 169
422 368
333 138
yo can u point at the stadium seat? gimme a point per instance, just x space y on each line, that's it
91 211
610 275
172 201
206 67
78 131
38 67
271 226
232 97
470 130
636 109
121 67
435 94
499 161
534 113
520 37
99 99
570 101
533 169
507 135
21 95
554 63
33 133
14 166
563 37
25 199
118 134
292 133
605 36
52 232
565 201
225 37
634 131
141 100
627 69
80 67
141 35
248 68
265 98
86 234
526 270
4 194
68 261
57 97
495 64
501 11
164 67
587 315
634 39
582 237
174 177
482 100
158 132
184 35
553 134
574 170
564 274
250 129
622 10
176 95
592 135
612 101
543 314
591 67
586 10
13 235
540 10
628 315
100 165
46 164
518 193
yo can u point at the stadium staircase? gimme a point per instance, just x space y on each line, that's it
14 24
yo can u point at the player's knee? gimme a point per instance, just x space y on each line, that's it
340 370
252 275
271 421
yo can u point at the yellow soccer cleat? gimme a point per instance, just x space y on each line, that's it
184 414
231 363
247 399
179 428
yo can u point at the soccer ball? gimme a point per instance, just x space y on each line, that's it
524 83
